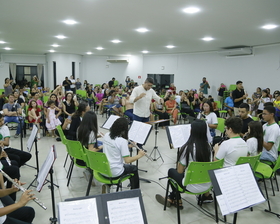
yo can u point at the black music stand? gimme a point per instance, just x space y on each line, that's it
47 168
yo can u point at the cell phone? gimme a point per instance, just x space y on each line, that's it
69 117
196 95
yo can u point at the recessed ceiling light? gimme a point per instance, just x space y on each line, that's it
99 48
51 51
269 26
89 52
116 41
70 22
55 45
208 38
2 42
7 48
142 30
191 10
60 36
145 52
170 46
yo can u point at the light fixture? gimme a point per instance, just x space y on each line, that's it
89 53
142 30
7 48
2 42
99 48
145 52
208 38
191 10
60 37
51 51
170 46
55 45
269 26
116 41
70 22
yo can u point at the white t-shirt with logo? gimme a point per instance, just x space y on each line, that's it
271 133
252 144
4 133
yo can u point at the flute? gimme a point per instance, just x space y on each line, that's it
22 189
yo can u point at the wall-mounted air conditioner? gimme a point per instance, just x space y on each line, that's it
244 51
117 60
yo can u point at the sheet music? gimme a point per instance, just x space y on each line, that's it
110 121
125 211
31 138
239 188
179 134
82 212
44 171
139 131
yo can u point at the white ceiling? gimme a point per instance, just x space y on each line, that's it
29 26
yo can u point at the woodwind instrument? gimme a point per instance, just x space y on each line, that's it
22 188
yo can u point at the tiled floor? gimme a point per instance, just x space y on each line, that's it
156 169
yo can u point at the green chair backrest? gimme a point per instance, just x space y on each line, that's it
232 87
197 172
221 125
255 118
61 134
76 150
218 104
81 92
252 160
45 99
99 163
277 164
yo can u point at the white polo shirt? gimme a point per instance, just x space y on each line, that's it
271 133
141 107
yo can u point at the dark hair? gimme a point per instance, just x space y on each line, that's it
265 91
210 105
270 109
266 104
256 131
244 105
50 102
81 108
111 92
198 138
119 129
87 125
72 100
6 79
238 82
29 104
149 80
1 115
235 123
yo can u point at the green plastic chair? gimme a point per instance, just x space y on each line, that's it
264 172
232 87
197 173
252 160
77 155
255 118
99 164
221 125
81 92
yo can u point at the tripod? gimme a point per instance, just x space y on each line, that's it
155 149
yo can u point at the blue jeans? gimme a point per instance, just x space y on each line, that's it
15 119
129 113
141 119
266 156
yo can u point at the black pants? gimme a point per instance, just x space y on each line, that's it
163 116
188 111
20 156
134 180
22 215
178 177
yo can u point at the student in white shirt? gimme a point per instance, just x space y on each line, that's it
254 138
230 150
271 136
115 146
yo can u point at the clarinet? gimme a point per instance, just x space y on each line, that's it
22 189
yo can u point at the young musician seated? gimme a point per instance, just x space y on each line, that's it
115 146
196 149
11 212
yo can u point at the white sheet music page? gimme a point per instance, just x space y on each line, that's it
82 212
179 134
125 211
239 188
32 137
139 131
110 121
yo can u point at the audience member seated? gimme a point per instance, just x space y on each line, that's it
171 108
254 138
128 106
229 105
159 109
114 103
233 148
186 106
69 105
34 115
244 115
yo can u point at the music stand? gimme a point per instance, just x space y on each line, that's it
47 168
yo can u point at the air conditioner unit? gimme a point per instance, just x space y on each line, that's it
236 52
117 60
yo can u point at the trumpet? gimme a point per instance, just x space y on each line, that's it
22 188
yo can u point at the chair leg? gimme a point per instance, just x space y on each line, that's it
178 209
89 183
166 195
275 176
65 160
67 176
267 198
70 174
271 182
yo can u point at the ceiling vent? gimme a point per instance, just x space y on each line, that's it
234 52
117 60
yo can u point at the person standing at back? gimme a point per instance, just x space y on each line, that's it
204 86
238 95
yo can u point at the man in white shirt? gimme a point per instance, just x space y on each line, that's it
271 135
73 86
230 150
142 96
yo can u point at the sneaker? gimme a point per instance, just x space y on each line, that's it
161 200
207 199
58 139
16 135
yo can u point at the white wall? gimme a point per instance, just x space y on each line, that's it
96 70
259 70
